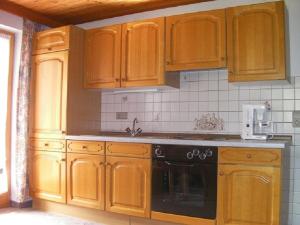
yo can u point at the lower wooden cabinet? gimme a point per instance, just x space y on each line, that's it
85 180
248 194
128 186
48 176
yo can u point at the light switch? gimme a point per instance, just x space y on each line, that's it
296 118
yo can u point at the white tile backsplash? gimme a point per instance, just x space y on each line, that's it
204 92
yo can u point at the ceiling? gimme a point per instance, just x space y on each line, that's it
59 12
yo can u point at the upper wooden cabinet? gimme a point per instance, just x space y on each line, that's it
249 186
143 53
128 55
256 42
51 40
196 41
102 57
59 104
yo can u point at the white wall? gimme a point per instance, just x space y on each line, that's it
178 109
13 24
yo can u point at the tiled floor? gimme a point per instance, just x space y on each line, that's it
12 216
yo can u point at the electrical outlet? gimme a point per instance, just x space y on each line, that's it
296 118
121 115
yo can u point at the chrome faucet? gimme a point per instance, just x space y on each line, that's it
134 132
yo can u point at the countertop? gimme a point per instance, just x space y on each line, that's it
218 140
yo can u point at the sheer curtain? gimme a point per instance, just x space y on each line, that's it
21 193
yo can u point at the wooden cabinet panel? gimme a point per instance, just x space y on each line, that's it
103 56
86 177
48 176
128 149
128 186
196 41
47 145
51 40
248 195
49 93
256 42
143 53
89 147
267 157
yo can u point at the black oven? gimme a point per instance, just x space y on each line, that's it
184 180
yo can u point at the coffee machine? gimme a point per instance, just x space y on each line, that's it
256 124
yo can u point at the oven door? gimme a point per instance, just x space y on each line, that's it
188 189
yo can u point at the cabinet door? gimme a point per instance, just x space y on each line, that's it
86 180
103 56
248 195
255 42
143 53
48 176
196 41
52 40
49 95
128 186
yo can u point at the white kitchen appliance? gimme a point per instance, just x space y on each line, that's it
256 124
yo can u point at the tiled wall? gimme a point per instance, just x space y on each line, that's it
208 92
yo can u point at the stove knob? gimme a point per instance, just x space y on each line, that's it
209 153
158 151
196 152
190 155
202 156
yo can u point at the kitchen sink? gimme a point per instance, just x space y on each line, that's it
181 136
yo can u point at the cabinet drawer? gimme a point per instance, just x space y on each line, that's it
47 145
51 40
250 156
91 147
128 149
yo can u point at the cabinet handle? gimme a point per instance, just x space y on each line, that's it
221 173
63 160
249 156
49 49
123 79
46 144
84 147
117 79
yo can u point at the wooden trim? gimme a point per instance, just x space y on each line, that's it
29 14
5 198
181 219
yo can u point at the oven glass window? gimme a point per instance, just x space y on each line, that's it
184 189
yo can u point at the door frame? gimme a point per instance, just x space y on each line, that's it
5 197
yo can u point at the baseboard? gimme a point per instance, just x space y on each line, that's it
20 205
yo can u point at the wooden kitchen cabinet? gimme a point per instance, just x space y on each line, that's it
59 104
256 42
248 193
127 55
52 40
48 175
196 41
49 88
86 180
128 186
103 57
143 55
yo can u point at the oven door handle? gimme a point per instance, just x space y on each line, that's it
178 164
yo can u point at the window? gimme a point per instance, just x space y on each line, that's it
6 59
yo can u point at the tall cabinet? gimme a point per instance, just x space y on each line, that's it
59 105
